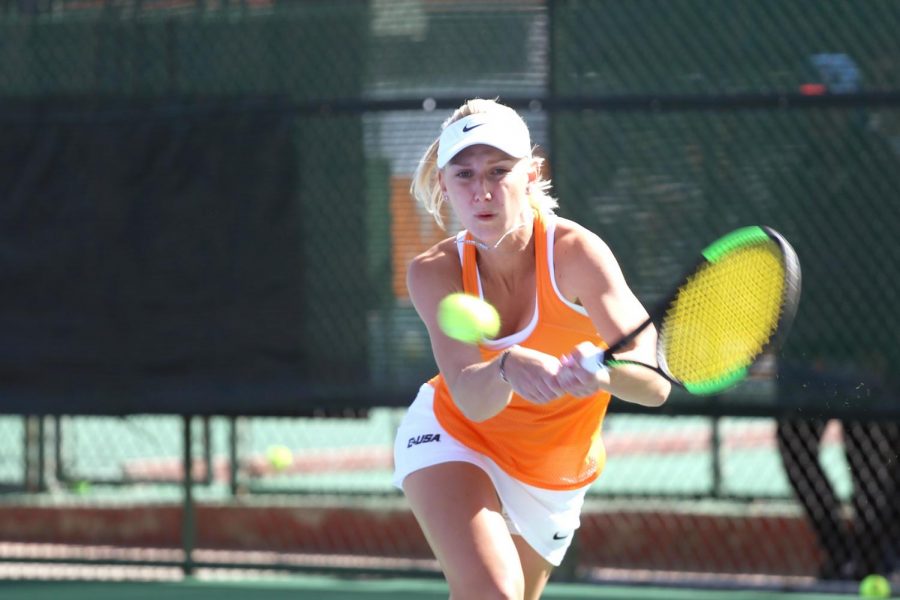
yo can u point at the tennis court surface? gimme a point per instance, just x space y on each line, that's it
329 588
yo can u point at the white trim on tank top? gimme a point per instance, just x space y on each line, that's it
520 336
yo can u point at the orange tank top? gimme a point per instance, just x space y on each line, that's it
552 446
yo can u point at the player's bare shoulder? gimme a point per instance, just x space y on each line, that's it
574 243
436 269
434 261
580 257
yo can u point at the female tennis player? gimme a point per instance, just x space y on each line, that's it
497 451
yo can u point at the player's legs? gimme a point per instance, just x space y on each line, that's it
799 443
457 507
871 450
535 569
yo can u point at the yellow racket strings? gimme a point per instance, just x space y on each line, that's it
723 317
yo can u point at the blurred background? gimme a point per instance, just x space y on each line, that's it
205 339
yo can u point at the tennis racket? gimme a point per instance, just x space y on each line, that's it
734 305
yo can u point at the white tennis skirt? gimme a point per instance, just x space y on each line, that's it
546 519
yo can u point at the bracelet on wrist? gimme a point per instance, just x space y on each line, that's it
503 358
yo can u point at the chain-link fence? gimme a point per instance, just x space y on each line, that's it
205 210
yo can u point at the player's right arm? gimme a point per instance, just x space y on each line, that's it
475 384
587 271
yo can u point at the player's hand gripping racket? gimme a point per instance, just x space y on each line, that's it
736 304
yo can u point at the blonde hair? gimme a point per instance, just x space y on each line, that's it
426 187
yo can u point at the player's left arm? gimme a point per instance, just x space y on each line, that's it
588 273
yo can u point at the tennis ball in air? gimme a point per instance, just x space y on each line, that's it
875 586
279 457
467 318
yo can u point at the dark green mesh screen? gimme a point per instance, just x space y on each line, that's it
719 133
659 186
666 123
697 47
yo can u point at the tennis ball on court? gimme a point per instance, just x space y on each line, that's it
279 457
875 586
467 318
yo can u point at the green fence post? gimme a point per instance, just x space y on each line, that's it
187 505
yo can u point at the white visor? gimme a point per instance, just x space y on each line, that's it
506 132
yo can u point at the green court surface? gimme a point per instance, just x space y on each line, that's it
328 588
